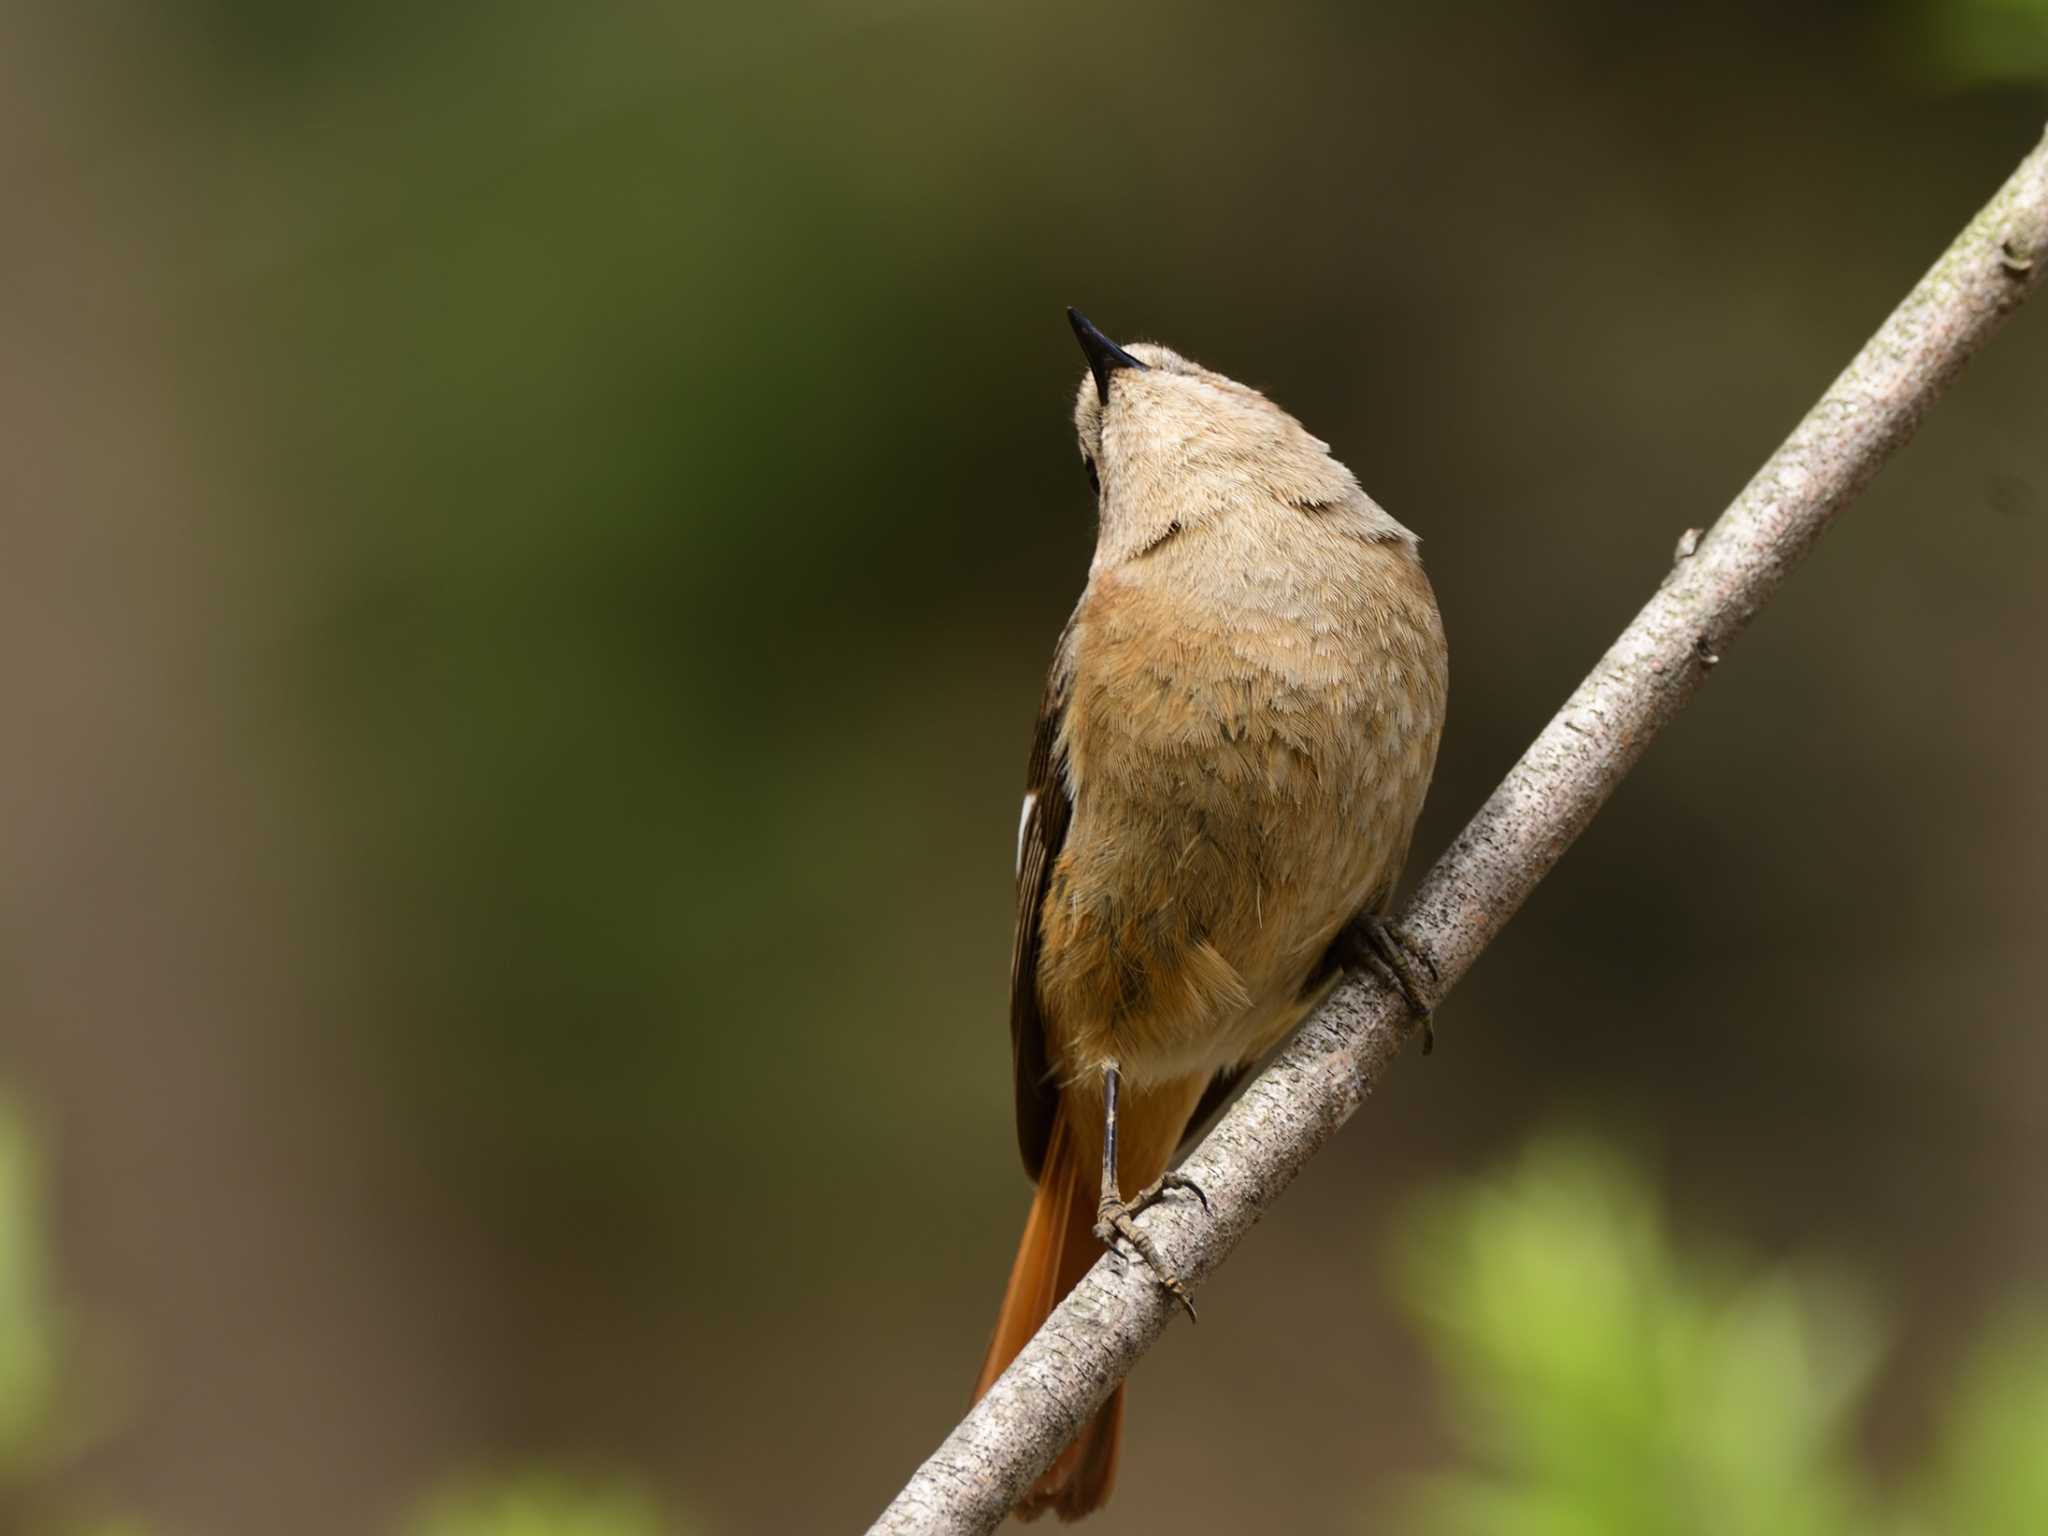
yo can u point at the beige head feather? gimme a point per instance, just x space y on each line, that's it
1175 447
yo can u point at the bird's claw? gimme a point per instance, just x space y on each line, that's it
1382 947
1115 1219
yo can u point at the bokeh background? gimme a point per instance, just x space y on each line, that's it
531 537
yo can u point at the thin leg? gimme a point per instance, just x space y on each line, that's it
1113 1216
1112 1191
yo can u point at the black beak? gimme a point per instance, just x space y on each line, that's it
1104 356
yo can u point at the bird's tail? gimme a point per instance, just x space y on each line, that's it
1059 1247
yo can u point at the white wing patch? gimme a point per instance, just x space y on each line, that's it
1023 826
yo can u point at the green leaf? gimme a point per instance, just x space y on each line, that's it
1607 1382
540 1504
28 1323
1990 1473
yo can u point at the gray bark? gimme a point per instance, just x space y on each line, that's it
1318 1079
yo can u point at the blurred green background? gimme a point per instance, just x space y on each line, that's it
531 539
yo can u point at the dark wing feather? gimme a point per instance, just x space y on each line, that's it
1048 810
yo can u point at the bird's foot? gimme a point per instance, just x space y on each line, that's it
1116 1219
1375 944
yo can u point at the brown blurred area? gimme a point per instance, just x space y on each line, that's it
531 537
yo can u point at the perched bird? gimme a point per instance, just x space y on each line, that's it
1235 740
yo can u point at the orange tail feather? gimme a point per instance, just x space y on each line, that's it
1059 1247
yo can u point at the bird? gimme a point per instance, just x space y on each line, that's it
1235 738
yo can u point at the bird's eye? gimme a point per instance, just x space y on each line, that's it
1094 480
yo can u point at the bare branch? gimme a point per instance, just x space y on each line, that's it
1315 1083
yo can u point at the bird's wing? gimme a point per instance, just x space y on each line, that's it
1041 833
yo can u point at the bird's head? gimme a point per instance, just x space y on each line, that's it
1170 445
